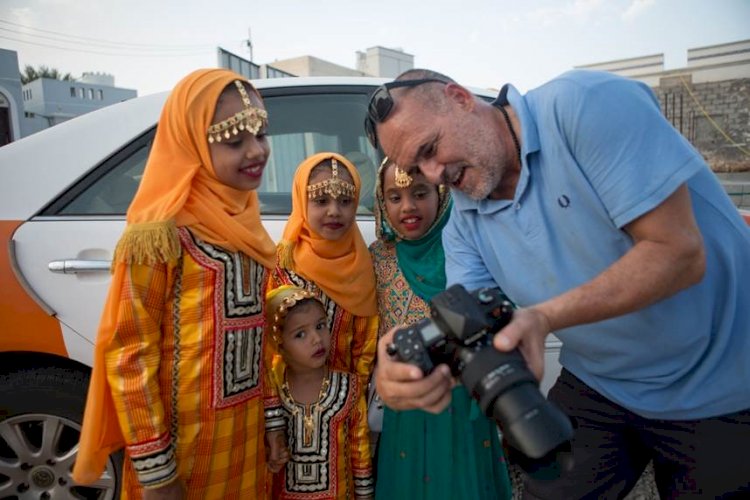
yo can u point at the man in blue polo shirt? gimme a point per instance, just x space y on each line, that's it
603 223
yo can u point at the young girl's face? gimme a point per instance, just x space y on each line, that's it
305 339
411 210
330 217
239 160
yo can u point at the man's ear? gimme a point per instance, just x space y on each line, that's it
460 96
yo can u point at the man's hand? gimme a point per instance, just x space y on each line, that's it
527 330
403 386
277 453
172 491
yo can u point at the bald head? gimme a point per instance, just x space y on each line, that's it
430 95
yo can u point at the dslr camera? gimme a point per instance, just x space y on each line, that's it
459 334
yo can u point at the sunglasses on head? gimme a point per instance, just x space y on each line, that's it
381 104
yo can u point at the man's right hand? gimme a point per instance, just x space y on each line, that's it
403 386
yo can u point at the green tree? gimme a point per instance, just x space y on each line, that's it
31 73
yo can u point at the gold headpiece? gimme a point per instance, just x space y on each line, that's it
279 301
250 119
334 187
401 178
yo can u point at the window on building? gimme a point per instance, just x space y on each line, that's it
72 91
100 94
79 91
91 94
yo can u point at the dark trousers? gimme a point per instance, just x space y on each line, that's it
706 458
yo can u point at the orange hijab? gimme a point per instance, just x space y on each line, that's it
341 268
179 188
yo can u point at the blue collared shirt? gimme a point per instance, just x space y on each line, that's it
597 154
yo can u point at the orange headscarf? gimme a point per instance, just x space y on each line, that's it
179 188
341 268
179 184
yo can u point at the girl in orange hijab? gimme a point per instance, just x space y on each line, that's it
177 374
322 250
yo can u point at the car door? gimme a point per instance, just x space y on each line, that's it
64 252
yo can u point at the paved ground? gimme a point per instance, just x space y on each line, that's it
645 489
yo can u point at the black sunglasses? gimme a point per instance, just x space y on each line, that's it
381 104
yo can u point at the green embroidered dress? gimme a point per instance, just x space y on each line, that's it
453 455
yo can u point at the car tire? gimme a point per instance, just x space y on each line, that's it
40 423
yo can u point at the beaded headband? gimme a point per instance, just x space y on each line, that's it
334 187
250 119
294 296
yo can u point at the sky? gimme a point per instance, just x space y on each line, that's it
148 45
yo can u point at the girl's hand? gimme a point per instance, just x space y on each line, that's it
277 453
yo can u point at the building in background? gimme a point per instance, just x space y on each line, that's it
48 102
708 101
375 61
13 124
384 62
44 102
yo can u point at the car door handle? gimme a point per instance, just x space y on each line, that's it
75 266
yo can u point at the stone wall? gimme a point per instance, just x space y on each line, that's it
713 116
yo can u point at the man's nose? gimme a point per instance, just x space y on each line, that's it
432 170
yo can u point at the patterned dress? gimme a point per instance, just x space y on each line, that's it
453 455
328 442
185 373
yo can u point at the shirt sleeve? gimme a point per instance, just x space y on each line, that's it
631 155
364 484
463 262
132 360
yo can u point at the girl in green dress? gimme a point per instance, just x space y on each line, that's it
455 454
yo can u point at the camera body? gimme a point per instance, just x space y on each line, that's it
459 334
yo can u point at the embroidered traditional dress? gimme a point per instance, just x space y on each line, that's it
204 319
453 455
328 443
177 378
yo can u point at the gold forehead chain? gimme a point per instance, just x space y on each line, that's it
401 178
250 119
333 187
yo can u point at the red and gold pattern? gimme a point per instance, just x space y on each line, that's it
186 378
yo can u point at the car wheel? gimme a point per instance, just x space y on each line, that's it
40 424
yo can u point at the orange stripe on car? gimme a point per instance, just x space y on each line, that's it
24 326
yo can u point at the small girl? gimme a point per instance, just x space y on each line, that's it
177 374
455 454
324 411
323 251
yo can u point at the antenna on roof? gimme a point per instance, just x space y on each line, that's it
249 43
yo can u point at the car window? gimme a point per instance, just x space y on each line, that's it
302 122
